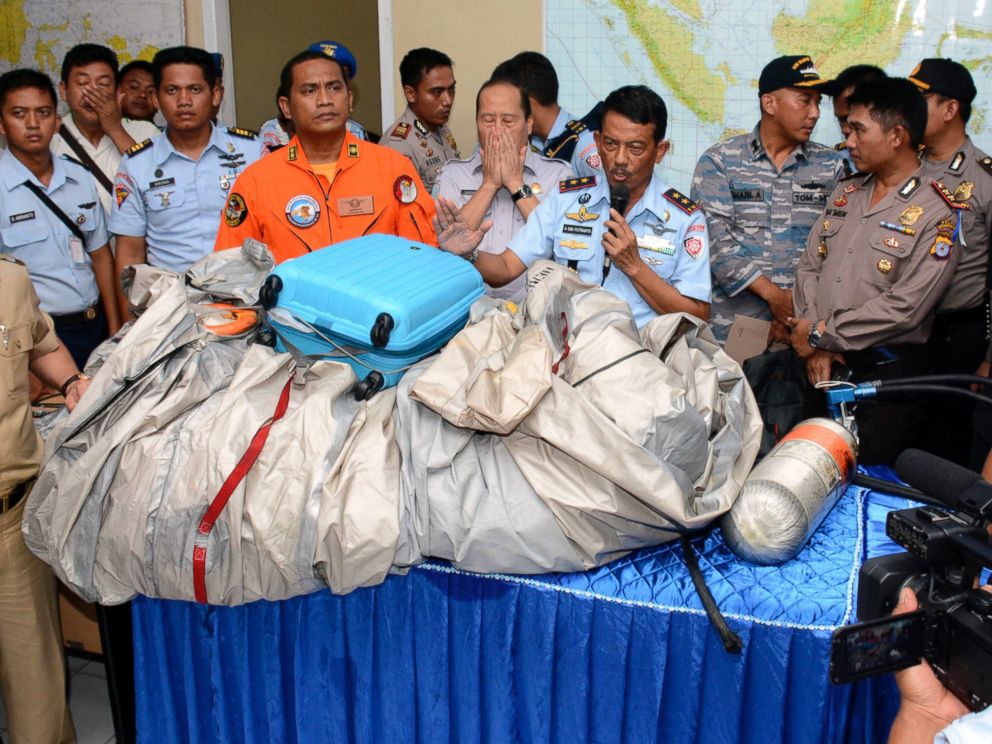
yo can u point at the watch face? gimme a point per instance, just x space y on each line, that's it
525 191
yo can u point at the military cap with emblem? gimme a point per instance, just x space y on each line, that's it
796 71
946 77
339 53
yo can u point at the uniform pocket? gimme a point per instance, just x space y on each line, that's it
24 233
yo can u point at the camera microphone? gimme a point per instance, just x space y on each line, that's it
956 486
619 199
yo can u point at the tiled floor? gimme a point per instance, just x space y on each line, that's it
89 702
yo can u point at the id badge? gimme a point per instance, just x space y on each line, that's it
77 252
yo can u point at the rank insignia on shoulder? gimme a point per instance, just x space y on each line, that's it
400 131
681 201
948 197
244 133
957 162
135 149
576 184
575 125
352 150
909 187
291 154
841 145
986 164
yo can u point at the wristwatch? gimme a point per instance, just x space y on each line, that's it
71 381
524 192
473 256
814 335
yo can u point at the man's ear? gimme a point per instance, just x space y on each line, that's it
410 93
284 107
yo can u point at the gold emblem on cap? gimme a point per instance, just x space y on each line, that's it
884 265
910 215
963 191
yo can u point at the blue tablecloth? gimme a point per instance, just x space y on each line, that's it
623 653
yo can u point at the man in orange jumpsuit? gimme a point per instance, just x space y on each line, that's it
325 186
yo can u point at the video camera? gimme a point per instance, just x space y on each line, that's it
947 548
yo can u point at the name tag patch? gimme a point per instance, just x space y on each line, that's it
810 197
14 218
356 205
161 182
748 195
576 229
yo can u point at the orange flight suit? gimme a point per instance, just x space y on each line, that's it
279 201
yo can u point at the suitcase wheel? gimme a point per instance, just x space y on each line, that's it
380 331
368 387
268 294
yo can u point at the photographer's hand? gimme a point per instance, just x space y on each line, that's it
927 706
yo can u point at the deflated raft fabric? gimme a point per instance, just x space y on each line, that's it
556 438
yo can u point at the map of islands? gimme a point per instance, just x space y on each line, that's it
38 33
704 56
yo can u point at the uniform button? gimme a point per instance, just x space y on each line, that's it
850 250
864 221
838 280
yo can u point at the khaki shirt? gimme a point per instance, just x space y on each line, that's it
25 333
460 179
874 284
428 150
968 174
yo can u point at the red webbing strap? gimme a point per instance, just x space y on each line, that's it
224 494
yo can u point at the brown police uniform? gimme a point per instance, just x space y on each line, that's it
32 678
960 338
875 274
428 150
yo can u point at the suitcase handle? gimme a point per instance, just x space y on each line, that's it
268 294
379 335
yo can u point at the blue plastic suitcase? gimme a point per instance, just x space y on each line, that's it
379 303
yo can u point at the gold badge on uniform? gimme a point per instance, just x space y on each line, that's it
884 265
583 215
840 201
352 150
573 244
230 147
535 187
910 215
891 242
963 191
821 250
826 224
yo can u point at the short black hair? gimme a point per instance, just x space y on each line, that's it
184 55
964 107
286 76
137 64
524 100
851 77
25 78
891 102
641 105
418 62
534 73
86 54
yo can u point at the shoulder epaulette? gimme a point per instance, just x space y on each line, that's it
245 133
681 201
910 187
135 149
10 259
562 146
948 197
400 131
986 164
841 145
576 184
576 125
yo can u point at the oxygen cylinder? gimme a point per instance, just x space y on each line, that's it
787 495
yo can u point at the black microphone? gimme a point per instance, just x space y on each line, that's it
944 480
619 199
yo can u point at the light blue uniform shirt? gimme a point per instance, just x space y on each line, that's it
176 202
585 157
568 226
62 277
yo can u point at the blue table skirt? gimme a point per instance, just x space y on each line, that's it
623 653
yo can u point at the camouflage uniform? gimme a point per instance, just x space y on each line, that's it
758 218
